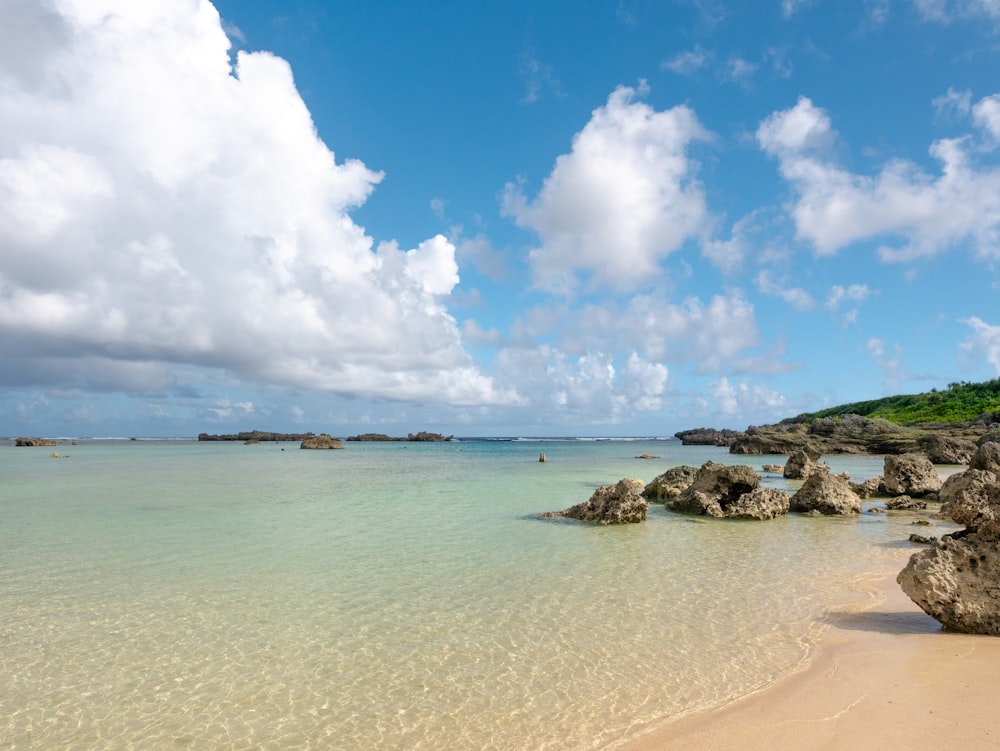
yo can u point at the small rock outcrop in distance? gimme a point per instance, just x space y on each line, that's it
707 437
322 441
542 458
670 484
732 491
910 474
803 463
621 503
426 437
955 580
830 495
253 436
34 442
775 469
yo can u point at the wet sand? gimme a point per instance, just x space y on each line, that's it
885 677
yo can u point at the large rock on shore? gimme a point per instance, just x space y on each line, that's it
956 579
830 495
733 491
910 474
670 484
955 582
322 441
621 503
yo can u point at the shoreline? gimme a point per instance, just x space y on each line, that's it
882 674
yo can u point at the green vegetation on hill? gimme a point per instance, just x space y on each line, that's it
960 402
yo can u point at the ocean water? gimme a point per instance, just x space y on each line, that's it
176 594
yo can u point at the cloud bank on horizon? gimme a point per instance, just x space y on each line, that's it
692 243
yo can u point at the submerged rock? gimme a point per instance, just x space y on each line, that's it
621 503
827 494
905 503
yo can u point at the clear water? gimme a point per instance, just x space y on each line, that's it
175 594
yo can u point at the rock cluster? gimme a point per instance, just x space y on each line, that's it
621 503
956 579
735 492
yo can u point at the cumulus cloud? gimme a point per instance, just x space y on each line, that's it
986 114
915 214
984 342
161 204
729 399
625 197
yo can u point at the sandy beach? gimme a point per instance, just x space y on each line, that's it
884 676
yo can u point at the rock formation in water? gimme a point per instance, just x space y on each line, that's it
827 494
322 441
910 474
956 580
803 463
723 490
34 442
670 484
621 503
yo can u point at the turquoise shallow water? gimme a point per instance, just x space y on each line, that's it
176 594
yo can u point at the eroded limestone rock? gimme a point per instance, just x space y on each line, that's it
621 503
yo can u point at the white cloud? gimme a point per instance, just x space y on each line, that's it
740 71
161 205
853 293
986 114
923 214
953 103
795 296
946 11
984 342
890 364
742 399
690 61
624 198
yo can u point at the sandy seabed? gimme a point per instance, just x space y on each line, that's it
882 677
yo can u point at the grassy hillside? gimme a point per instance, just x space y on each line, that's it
960 402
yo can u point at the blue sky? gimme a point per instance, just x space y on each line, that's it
609 218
